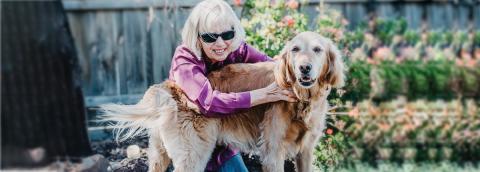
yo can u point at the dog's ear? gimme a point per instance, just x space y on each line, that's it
334 74
283 71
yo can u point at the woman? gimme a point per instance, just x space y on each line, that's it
212 38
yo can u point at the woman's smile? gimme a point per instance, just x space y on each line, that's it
219 52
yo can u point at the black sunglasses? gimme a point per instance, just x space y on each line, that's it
212 37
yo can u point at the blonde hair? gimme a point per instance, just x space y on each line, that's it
203 17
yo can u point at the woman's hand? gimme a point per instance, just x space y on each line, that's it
271 93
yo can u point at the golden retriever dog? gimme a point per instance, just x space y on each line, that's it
309 64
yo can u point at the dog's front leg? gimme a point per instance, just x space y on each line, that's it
272 149
273 158
276 164
304 159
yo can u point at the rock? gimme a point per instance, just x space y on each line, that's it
37 154
94 163
114 166
133 152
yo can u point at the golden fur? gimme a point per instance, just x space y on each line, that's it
275 131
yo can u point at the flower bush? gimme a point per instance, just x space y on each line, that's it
445 130
269 24
388 79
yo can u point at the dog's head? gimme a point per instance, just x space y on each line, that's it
308 63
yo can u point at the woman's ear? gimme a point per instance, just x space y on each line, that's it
335 75
283 71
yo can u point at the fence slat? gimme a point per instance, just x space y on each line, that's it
440 16
134 48
413 14
355 13
164 36
386 11
97 48
461 15
476 16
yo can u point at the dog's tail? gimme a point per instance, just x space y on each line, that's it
134 120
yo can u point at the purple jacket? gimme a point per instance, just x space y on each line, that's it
190 74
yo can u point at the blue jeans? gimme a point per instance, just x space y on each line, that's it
234 164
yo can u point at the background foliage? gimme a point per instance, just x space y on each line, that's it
410 95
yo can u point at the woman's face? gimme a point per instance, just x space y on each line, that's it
217 47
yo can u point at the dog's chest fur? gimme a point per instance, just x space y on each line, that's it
299 125
304 116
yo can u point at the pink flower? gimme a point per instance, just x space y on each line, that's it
329 131
288 20
383 53
384 127
459 62
345 22
409 127
409 53
354 112
293 4
477 53
371 61
237 2
471 63
465 55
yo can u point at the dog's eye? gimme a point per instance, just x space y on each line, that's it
295 49
317 50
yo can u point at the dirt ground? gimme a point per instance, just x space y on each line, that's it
115 153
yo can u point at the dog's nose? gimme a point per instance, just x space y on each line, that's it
305 69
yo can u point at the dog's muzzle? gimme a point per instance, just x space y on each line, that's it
306 80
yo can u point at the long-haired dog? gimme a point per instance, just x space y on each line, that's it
309 64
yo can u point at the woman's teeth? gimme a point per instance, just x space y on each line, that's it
219 51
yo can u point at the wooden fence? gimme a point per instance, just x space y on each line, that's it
126 45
